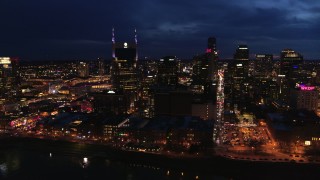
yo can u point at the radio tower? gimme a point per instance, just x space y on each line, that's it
136 42
113 44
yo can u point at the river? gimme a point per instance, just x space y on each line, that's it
43 159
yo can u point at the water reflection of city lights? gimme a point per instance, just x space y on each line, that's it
3 168
85 160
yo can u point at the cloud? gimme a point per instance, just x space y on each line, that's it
164 26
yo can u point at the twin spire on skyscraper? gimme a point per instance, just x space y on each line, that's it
135 36
114 43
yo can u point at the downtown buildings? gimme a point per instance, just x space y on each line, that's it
206 91
9 76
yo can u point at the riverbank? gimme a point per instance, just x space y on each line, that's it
207 164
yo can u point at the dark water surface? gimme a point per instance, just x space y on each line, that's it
43 159
30 160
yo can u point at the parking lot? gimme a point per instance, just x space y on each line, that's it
245 138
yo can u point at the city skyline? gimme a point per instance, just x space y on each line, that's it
203 110
36 30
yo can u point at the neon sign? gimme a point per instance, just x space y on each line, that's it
307 88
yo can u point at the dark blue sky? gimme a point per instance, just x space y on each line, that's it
81 29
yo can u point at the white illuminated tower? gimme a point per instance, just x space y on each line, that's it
113 44
136 41
220 106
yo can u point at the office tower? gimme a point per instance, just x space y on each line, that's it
305 97
201 75
123 72
125 50
263 65
101 68
212 55
83 69
9 76
212 46
242 53
241 83
205 71
241 60
200 69
111 103
265 88
167 71
290 62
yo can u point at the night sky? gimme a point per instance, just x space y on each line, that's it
81 29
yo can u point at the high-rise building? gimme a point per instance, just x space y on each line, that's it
111 102
101 68
240 83
290 62
125 57
124 72
212 45
242 53
305 97
265 89
212 56
125 50
167 71
263 65
9 76
205 70
83 69
241 58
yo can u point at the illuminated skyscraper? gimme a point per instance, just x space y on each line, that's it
101 70
9 76
124 62
123 69
212 46
83 69
290 61
241 58
167 71
212 55
304 97
240 83
263 65
125 50
242 53
205 70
